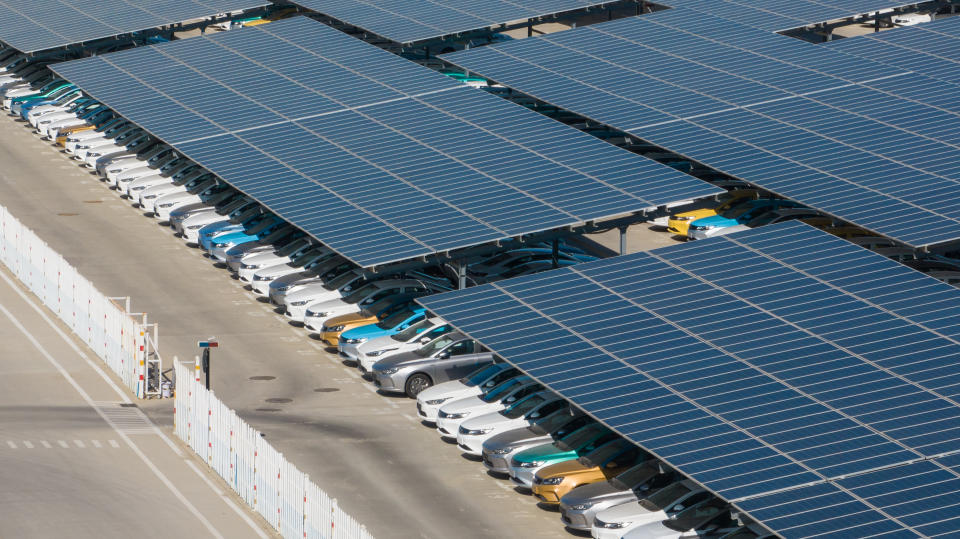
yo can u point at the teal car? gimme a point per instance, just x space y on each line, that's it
737 215
525 464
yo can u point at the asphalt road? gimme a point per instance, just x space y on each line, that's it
78 460
367 450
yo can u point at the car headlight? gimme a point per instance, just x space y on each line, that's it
581 506
356 341
326 329
315 314
195 227
94 154
533 464
377 353
500 451
682 218
612 525
151 197
299 303
458 415
474 432
218 245
168 204
435 402
251 266
392 370
262 278
551 480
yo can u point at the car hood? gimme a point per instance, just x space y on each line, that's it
232 236
351 319
548 452
368 331
313 293
440 391
293 278
629 511
714 220
263 257
493 420
203 218
464 404
401 360
697 214
516 438
323 304
568 468
161 189
176 197
595 492
279 269
652 530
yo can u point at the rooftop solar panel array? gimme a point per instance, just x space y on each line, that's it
410 21
925 48
36 25
779 15
379 158
754 362
857 139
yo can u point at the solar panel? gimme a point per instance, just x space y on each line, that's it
36 25
380 158
846 135
780 15
410 21
916 500
754 362
924 48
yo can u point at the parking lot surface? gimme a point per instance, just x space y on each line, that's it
76 462
386 469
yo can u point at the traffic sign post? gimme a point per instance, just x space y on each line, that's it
205 360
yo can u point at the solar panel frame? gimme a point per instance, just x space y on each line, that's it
413 21
790 116
37 25
379 158
780 396
782 15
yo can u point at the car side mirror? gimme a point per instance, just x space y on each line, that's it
444 355
611 465
534 415
679 507
424 340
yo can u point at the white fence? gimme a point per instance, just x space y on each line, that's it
111 332
265 480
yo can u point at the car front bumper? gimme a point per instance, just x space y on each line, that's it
389 383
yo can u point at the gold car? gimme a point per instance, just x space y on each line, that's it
680 223
334 327
62 137
601 464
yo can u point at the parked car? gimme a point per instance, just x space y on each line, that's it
710 518
680 222
261 279
579 506
614 522
445 358
350 340
453 413
525 464
315 314
742 213
601 464
377 312
498 451
475 430
429 400
808 215
333 273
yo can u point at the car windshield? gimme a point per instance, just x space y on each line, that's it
395 320
481 374
664 497
413 331
737 211
293 247
600 455
435 346
379 295
551 422
524 406
497 391
695 516
634 476
358 294
577 438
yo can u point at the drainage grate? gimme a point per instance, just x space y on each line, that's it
268 410
67 214
127 417
278 400
326 389
255 378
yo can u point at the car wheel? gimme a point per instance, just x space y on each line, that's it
417 383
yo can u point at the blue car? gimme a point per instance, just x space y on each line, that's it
395 323
737 215
255 232
27 106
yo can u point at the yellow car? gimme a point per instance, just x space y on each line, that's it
275 16
62 138
609 460
335 326
680 223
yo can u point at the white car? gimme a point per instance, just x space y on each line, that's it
239 255
260 282
169 202
431 399
710 518
475 430
269 256
315 313
334 272
140 160
148 197
910 19
135 188
614 522
304 294
453 413
191 225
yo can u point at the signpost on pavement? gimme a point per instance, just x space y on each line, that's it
205 361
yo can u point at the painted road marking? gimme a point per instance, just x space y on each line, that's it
113 443
96 443
46 444
63 444
79 443
11 444
28 445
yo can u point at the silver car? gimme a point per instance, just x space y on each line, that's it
447 357
498 450
579 506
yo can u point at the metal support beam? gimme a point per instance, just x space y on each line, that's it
555 255
623 240
462 274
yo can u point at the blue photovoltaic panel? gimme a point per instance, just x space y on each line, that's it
779 15
916 500
849 136
409 21
926 48
36 25
378 157
753 362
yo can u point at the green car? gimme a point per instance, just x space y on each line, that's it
524 465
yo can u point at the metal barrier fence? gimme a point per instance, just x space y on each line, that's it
266 481
115 335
